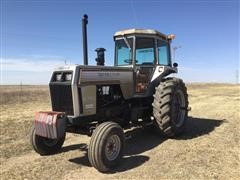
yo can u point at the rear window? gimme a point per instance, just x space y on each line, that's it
163 53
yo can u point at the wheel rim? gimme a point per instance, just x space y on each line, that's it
113 147
179 108
50 142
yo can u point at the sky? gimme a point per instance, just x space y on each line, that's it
37 36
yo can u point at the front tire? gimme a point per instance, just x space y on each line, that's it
45 146
106 146
170 106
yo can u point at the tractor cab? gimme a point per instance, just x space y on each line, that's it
144 51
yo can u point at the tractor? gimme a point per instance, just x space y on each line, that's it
105 101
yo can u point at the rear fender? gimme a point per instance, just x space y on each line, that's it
159 73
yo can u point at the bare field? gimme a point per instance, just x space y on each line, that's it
209 148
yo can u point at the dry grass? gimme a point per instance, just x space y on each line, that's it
208 149
18 105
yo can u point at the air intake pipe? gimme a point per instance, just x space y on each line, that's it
100 56
84 35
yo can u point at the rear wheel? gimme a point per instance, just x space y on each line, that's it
45 146
170 106
106 146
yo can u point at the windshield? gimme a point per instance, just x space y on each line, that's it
124 51
145 51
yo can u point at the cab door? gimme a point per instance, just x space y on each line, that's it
145 60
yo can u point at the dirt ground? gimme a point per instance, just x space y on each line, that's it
209 148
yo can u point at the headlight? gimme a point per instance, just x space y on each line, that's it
58 77
68 76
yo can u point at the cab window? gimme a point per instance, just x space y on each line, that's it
145 51
124 51
163 53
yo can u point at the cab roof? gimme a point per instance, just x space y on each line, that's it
140 32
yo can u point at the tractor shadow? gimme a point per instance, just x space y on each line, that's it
196 127
142 140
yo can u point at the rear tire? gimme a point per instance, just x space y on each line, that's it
45 146
170 106
106 146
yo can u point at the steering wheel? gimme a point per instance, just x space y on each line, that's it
129 61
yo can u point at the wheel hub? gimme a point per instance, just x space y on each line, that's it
113 147
179 108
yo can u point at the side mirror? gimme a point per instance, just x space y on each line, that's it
175 65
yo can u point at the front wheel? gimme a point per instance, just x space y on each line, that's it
170 106
45 146
106 146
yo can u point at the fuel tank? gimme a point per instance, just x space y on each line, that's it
104 75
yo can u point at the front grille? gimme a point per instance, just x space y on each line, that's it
80 100
61 97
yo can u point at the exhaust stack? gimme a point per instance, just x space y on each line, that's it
84 35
